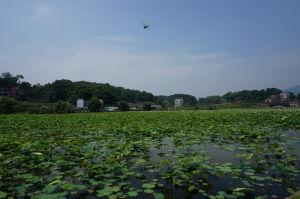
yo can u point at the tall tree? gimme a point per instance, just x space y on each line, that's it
7 80
59 90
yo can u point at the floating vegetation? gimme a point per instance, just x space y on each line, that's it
160 155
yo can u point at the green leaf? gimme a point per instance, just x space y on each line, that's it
192 188
54 182
148 185
148 191
50 188
27 176
3 194
140 162
240 189
258 178
61 195
250 156
159 196
106 191
37 153
133 193
68 186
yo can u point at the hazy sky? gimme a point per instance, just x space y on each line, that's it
195 47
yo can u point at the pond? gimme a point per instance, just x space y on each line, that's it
160 155
195 169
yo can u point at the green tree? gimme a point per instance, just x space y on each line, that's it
7 80
251 95
59 90
40 92
147 107
215 99
123 106
94 104
24 91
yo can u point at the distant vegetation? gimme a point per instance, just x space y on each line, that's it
68 91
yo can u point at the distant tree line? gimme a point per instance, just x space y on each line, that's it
65 92
244 96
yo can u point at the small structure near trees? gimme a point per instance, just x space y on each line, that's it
285 97
178 103
294 104
156 107
135 106
80 103
273 100
111 109
283 100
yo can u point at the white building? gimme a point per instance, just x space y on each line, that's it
80 103
284 97
294 104
178 102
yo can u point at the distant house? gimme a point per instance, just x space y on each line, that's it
294 104
284 97
133 109
223 101
135 106
156 107
101 102
273 100
80 103
9 92
178 102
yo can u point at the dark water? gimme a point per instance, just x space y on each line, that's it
270 160
212 166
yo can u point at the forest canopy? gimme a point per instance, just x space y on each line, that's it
67 90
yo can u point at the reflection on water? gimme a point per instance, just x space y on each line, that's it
192 166
262 169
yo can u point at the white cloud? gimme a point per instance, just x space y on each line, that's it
42 11
161 73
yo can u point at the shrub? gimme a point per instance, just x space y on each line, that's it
123 106
147 107
212 107
94 104
8 105
63 107
47 109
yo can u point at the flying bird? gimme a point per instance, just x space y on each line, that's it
145 26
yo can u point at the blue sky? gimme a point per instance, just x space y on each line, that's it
195 47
